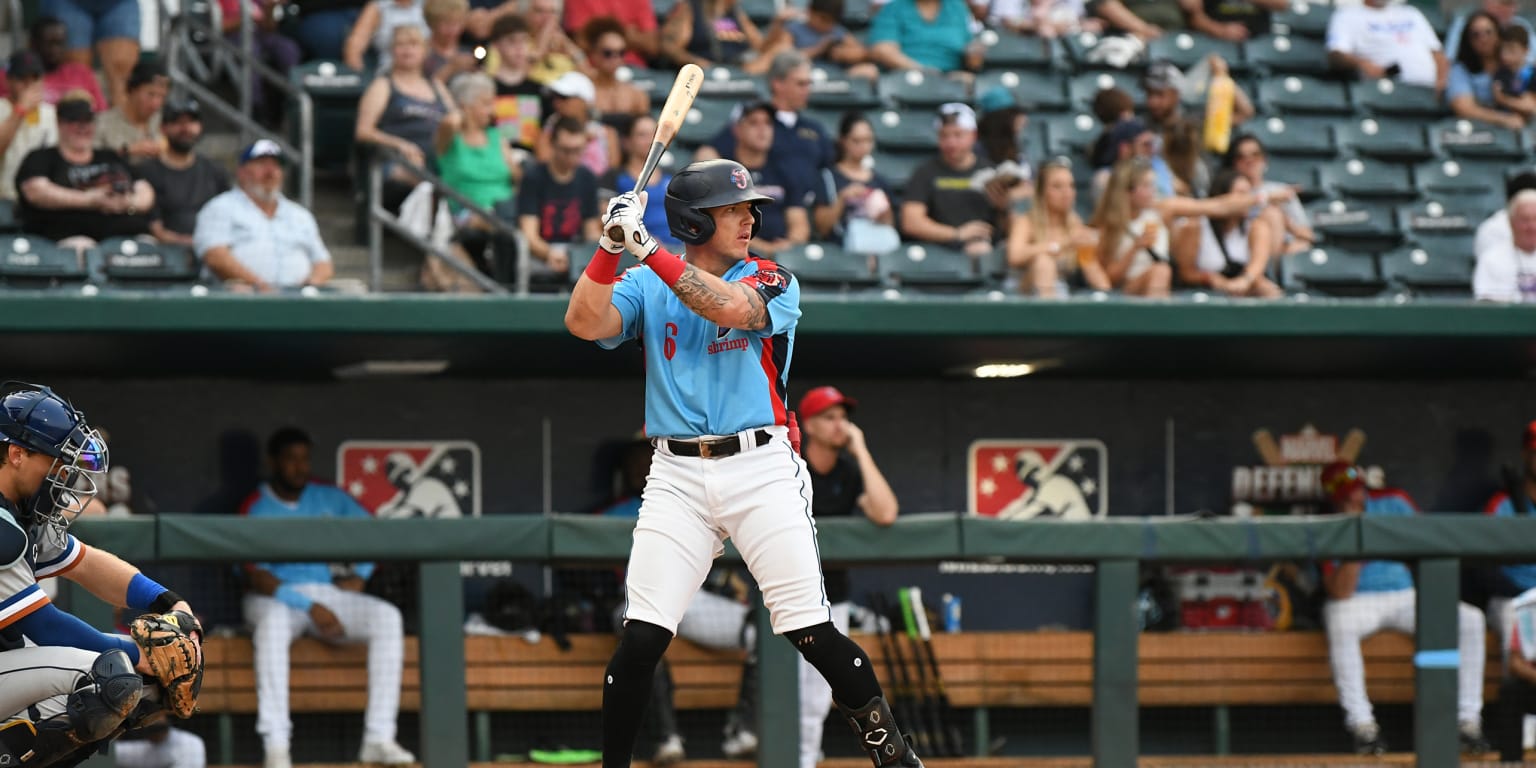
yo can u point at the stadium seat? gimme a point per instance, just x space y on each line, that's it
831 87
662 8
1299 173
725 83
1309 137
1286 55
8 220
654 82
675 158
761 12
915 88
1460 138
704 120
1356 226
857 13
1366 178
930 266
1470 182
1083 87
335 90
828 266
1084 50
1296 93
1427 270
904 130
896 167
1069 134
145 261
1186 49
37 262
1434 217
1303 19
1034 92
1007 50
1388 97
581 255
1332 271
1384 139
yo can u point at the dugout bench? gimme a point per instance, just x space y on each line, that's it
981 670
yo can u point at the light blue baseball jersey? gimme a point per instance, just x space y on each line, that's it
316 500
705 379
1521 575
1386 575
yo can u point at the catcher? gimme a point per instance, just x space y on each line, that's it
75 688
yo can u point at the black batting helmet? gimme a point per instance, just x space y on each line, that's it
709 184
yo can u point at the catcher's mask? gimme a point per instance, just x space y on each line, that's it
35 418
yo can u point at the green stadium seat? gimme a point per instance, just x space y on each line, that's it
704 120
144 261
930 266
1291 94
1388 97
725 83
1303 19
675 158
857 13
1287 55
1308 137
1428 269
1083 87
1299 173
656 83
662 8
1007 50
1384 139
761 12
897 167
1356 226
1333 272
1366 178
1431 218
8 220
1462 138
1069 134
335 89
826 266
1186 49
904 130
1080 50
1034 92
37 262
1467 180
916 88
831 87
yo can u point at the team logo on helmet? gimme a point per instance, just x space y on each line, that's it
740 178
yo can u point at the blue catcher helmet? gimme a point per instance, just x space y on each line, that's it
35 418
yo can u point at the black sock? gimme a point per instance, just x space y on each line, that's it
841 661
627 687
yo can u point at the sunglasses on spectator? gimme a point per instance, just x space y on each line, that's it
1482 32
610 53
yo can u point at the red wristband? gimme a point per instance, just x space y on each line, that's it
667 266
602 267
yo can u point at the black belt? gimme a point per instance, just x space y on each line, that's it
714 449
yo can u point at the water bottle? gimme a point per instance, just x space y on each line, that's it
951 607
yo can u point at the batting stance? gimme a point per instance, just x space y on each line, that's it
718 330
75 687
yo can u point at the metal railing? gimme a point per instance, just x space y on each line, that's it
381 218
189 71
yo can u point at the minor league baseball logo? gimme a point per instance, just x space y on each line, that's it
1024 479
740 178
438 479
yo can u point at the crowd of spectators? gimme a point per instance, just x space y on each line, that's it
531 108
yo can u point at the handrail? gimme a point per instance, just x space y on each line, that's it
241 115
380 218
378 214
18 24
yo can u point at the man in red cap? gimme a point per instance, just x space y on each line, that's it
1516 579
1366 597
844 481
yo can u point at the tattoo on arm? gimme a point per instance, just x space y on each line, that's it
705 299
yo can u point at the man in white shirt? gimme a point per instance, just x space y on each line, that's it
1380 40
1493 232
1508 272
254 238
27 122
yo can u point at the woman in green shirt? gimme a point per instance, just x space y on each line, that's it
475 161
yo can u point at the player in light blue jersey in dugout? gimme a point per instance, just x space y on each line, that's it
718 328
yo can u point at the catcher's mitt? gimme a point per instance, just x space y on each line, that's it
173 657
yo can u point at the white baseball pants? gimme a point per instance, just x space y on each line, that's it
1363 614
366 619
179 749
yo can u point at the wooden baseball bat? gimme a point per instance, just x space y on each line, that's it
1269 448
684 90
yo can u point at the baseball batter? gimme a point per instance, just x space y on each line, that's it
75 686
718 329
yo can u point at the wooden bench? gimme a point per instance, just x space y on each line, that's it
980 669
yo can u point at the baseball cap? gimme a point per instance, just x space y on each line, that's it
956 113
754 105
1340 479
574 85
822 398
995 98
1162 75
177 107
24 64
75 110
1529 441
1126 131
261 148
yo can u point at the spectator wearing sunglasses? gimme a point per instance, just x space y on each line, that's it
606 48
